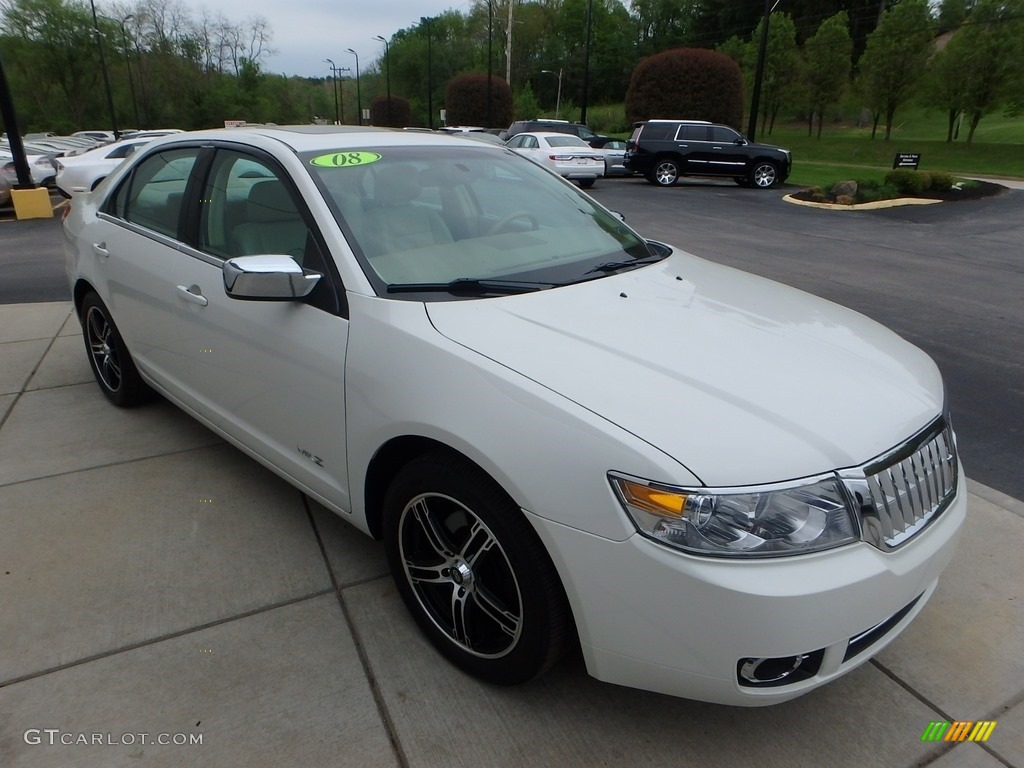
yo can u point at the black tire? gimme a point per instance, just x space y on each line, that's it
764 174
665 173
109 359
586 183
473 572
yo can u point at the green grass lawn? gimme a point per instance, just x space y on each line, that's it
846 151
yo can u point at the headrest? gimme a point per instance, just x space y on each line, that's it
270 201
396 184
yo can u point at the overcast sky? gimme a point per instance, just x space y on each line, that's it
308 31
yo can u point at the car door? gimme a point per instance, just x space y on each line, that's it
693 148
269 374
726 157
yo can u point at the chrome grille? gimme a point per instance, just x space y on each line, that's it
900 493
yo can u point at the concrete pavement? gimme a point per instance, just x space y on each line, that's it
154 580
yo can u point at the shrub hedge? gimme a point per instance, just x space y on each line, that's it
686 84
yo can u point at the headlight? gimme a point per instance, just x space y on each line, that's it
795 518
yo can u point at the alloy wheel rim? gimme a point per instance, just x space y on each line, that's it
666 174
460 575
103 349
764 176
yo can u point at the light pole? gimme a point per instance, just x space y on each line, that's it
334 87
490 69
359 92
558 98
128 64
430 81
755 100
586 62
387 66
106 76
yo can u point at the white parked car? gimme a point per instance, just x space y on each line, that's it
42 167
84 172
567 155
729 490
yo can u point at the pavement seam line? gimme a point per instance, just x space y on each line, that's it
945 716
113 463
163 638
375 692
32 373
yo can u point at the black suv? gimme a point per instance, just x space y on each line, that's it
664 150
555 126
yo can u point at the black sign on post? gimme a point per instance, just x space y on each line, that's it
906 160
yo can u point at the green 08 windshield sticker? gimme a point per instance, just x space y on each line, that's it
345 159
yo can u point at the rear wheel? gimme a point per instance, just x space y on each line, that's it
665 173
111 364
764 174
586 183
472 571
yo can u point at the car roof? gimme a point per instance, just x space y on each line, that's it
309 138
669 120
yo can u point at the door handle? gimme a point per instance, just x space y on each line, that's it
194 294
100 249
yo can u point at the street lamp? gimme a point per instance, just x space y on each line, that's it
586 62
334 87
387 66
128 64
359 92
430 81
106 76
558 98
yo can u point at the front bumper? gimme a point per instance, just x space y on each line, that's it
653 618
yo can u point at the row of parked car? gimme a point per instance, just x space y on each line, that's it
662 151
73 164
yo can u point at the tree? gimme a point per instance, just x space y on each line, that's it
465 100
826 67
686 84
394 114
896 57
945 85
781 66
987 49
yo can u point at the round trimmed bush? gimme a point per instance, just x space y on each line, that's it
465 101
399 115
686 84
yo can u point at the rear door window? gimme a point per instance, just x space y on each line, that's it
153 195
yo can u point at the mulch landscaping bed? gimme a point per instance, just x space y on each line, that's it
982 190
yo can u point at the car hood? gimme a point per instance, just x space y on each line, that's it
740 379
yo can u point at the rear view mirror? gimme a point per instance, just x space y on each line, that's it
270 278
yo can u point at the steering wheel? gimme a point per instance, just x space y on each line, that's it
501 223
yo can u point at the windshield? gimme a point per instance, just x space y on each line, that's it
433 215
566 141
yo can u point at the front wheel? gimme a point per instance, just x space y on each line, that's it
472 571
764 174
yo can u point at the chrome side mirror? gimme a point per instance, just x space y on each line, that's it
271 278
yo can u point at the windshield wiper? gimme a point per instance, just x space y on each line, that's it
471 286
615 266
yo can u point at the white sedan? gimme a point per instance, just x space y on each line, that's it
567 155
723 488
84 172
